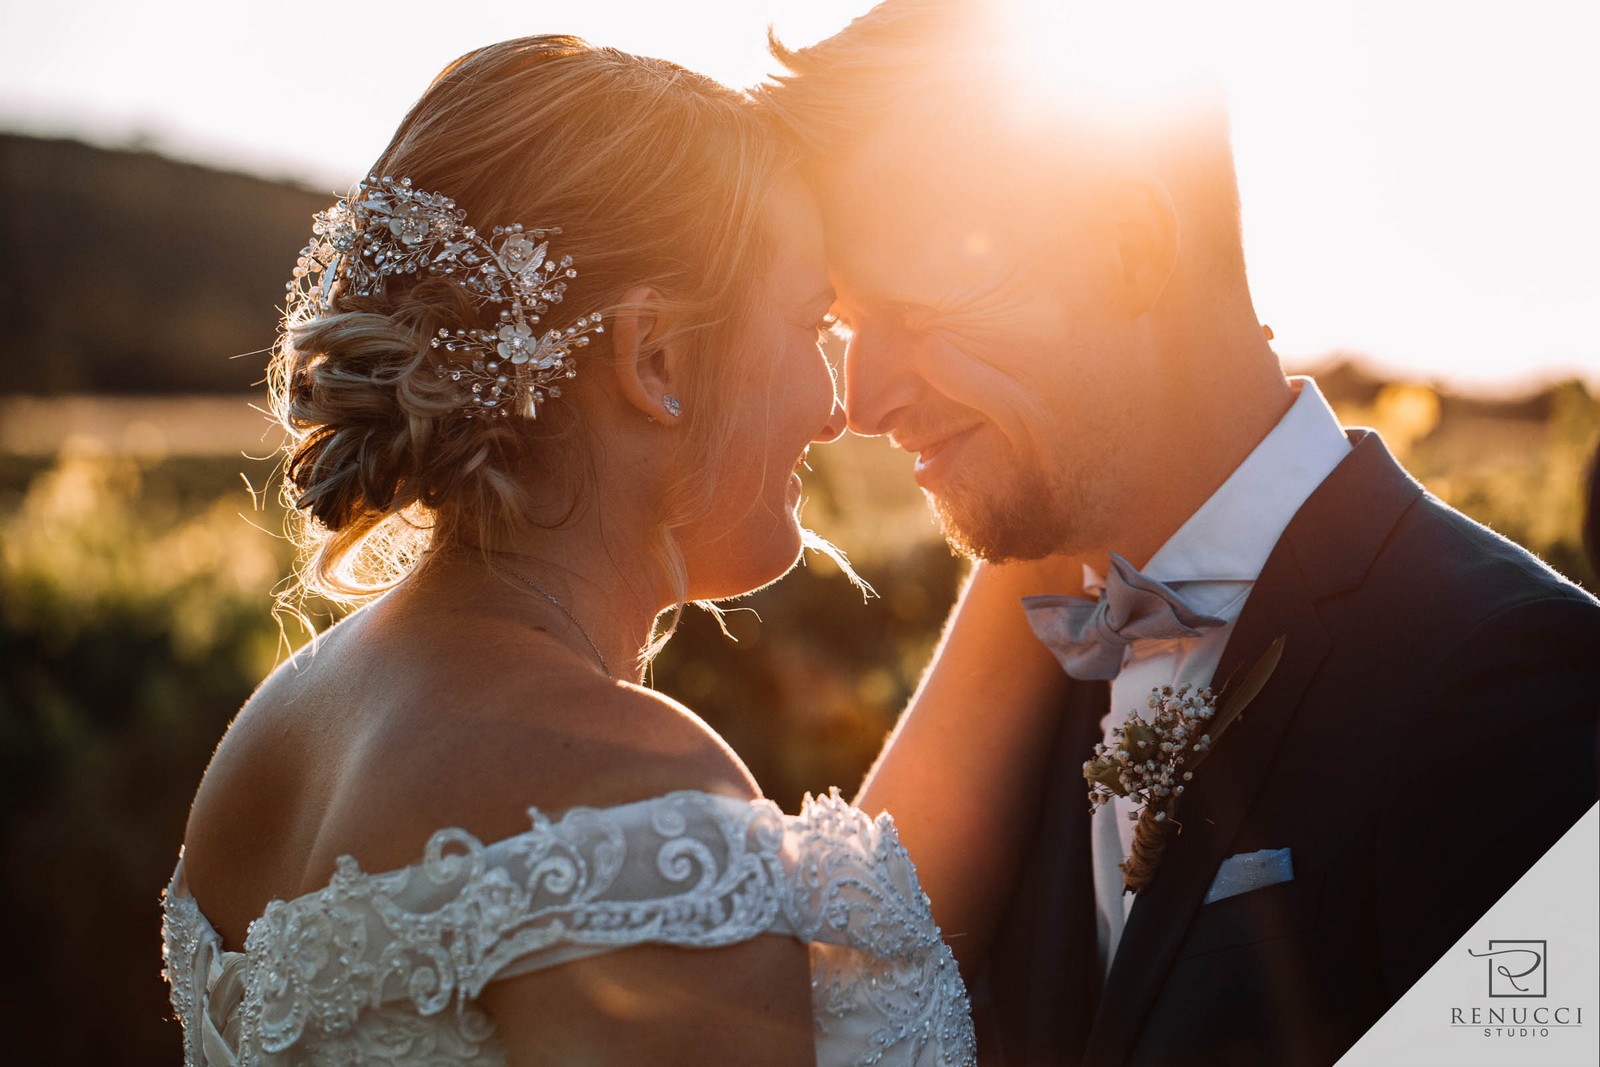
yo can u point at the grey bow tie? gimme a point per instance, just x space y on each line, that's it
1088 636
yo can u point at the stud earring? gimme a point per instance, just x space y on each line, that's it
673 405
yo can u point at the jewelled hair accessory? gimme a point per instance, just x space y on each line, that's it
389 228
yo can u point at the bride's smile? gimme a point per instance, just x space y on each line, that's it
782 402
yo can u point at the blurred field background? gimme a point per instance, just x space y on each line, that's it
140 539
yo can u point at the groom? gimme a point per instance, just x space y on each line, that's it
1049 307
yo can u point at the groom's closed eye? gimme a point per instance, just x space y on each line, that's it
899 314
905 313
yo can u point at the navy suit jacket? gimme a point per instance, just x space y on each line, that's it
1429 733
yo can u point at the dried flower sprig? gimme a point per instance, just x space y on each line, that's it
1145 760
1152 762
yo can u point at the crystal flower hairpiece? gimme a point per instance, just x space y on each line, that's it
389 228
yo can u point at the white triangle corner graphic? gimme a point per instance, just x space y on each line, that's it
1481 1003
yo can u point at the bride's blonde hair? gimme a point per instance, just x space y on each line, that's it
655 175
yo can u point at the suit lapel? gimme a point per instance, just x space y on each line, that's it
1327 548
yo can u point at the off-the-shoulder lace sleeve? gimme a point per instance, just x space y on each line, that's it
688 869
885 988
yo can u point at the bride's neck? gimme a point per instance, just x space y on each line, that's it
593 586
603 604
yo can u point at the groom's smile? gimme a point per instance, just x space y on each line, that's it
938 456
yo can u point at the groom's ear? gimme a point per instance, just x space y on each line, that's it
649 351
1144 235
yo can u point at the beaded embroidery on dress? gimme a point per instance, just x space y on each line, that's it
385 968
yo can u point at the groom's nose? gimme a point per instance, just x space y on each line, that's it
879 383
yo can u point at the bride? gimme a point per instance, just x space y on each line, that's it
549 375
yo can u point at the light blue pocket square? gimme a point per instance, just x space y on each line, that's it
1250 870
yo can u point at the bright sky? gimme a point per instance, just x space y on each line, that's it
1418 176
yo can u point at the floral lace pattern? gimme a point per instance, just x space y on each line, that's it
385 968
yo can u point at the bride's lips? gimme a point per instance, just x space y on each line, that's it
795 484
936 458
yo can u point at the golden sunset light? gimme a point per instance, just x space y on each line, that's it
1413 174
540 531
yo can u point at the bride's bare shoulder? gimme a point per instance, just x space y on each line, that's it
576 738
484 704
371 741
488 721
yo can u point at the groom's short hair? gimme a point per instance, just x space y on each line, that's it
832 96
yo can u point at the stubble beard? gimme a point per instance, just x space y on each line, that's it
1035 513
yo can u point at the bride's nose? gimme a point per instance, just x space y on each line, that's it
834 427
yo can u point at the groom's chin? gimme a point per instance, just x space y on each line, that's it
998 529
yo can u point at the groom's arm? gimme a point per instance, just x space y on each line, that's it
962 771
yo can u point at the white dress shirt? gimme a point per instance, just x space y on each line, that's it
1212 561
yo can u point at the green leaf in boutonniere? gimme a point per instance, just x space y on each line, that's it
1153 762
1233 699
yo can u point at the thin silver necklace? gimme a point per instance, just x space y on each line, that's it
542 591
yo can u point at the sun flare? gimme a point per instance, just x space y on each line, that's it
1117 51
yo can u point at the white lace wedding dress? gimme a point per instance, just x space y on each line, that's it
385 968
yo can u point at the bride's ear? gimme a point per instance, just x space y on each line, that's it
649 352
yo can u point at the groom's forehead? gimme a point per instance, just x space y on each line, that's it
901 215
943 184
868 230
898 195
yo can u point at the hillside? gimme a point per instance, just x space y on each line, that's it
128 272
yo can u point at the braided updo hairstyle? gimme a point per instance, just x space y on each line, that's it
655 175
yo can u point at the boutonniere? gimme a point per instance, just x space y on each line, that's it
1152 761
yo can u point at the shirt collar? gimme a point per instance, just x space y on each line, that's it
1231 535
